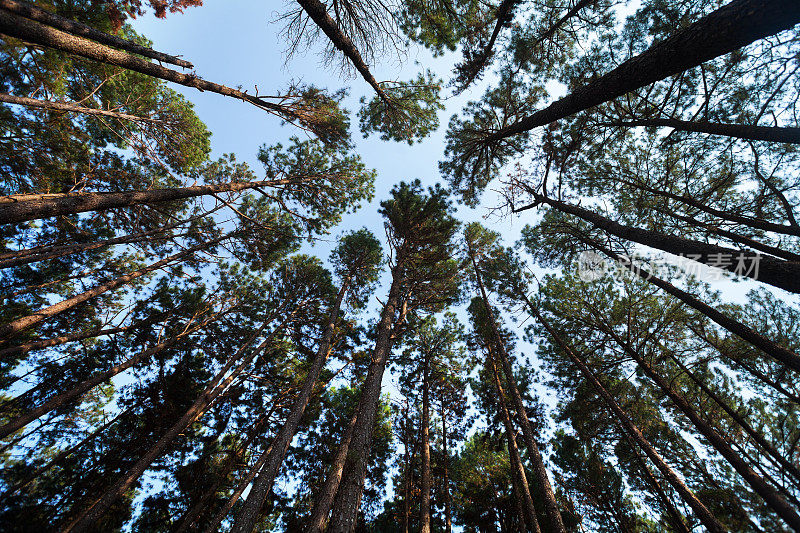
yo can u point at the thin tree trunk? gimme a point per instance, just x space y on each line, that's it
706 517
348 497
250 512
407 476
759 439
62 398
674 516
37 33
579 5
13 328
740 131
71 107
523 494
425 484
776 272
324 500
33 12
767 492
542 480
771 348
725 30
319 14
48 252
473 67
448 518
24 207
87 518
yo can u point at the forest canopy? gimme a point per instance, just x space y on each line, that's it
581 315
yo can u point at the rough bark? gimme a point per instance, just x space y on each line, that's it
250 512
775 272
324 500
522 489
725 30
767 492
771 348
543 485
34 32
62 398
704 515
86 520
348 497
425 482
741 131
24 207
15 327
33 12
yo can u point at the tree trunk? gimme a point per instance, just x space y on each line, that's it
725 30
72 107
706 517
348 497
250 512
778 352
13 328
319 14
522 492
675 517
407 476
776 272
86 519
448 517
33 12
324 500
579 5
769 494
740 131
542 480
425 484
62 398
34 32
474 66
24 207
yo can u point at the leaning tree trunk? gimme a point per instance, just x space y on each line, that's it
25 207
706 517
522 490
767 492
70 107
62 398
250 512
549 32
319 14
739 131
33 12
348 497
771 348
725 30
13 328
776 272
86 520
36 33
425 482
542 480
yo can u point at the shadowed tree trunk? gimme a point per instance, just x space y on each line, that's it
250 512
448 518
741 131
769 494
522 490
62 398
33 12
14 328
776 272
729 28
542 480
771 348
24 207
706 517
425 483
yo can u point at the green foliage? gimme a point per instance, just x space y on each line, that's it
410 114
